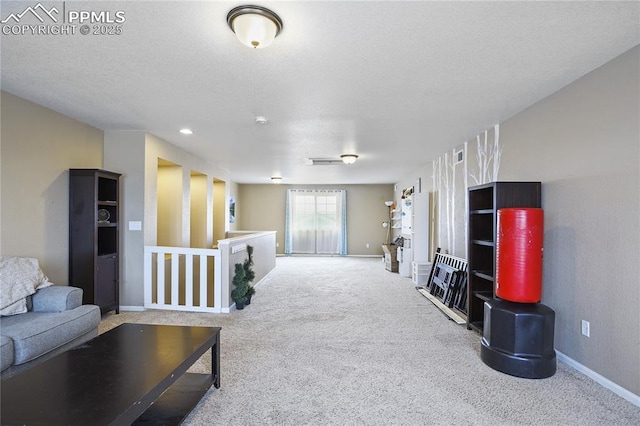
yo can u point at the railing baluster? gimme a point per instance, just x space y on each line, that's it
160 284
217 282
203 281
188 279
148 277
175 278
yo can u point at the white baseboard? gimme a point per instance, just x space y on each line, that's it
613 387
132 308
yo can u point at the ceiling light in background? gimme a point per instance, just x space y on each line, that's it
262 120
276 179
254 26
186 131
349 158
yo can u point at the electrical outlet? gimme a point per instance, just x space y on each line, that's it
367 245
277 244
586 328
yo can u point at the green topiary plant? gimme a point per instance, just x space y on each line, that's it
251 290
244 274
239 292
249 274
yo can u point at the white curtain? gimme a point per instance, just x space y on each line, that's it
316 222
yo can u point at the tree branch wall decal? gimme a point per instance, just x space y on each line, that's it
451 217
488 158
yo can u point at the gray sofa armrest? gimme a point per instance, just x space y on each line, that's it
57 299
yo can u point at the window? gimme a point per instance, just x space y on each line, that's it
316 222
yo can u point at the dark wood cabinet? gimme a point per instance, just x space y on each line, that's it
484 203
94 225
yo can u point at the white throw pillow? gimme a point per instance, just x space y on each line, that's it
19 278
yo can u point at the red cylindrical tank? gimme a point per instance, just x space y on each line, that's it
519 249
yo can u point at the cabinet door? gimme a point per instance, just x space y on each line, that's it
107 281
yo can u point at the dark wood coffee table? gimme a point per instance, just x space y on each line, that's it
135 373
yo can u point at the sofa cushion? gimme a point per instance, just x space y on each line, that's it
36 333
6 352
56 298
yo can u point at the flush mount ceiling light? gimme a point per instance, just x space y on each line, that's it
349 158
262 120
186 131
276 179
254 26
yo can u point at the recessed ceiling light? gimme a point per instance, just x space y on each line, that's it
186 131
262 120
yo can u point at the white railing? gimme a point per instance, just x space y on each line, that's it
184 279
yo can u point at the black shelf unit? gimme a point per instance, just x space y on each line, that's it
94 236
484 202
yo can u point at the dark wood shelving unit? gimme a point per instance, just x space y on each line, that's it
94 235
484 202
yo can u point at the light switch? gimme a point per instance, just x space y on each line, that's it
135 225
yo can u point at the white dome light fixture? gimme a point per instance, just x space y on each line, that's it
255 26
349 158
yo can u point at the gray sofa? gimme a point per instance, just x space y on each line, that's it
55 321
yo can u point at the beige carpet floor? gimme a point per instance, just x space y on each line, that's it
341 341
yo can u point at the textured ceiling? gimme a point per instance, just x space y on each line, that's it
396 82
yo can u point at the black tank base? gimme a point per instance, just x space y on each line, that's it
525 367
518 339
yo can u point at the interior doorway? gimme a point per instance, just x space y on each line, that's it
169 214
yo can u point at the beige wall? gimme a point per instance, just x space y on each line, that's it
38 147
124 152
199 209
262 208
219 211
171 211
583 144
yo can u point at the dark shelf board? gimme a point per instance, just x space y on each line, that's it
485 275
107 224
483 295
483 243
107 203
178 401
